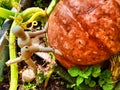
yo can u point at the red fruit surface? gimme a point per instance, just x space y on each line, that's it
86 32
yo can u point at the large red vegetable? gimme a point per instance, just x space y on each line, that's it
87 32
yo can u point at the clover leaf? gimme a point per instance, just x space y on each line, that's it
108 87
88 71
87 80
92 83
88 75
101 82
74 71
79 80
96 71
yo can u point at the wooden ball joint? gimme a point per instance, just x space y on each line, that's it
86 32
27 49
23 38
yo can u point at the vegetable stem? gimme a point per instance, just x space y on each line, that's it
4 13
63 74
48 77
30 11
51 6
13 67
35 15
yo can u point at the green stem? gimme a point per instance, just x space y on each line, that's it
28 16
49 10
48 77
33 17
52 67
63 74
30 11
13 67
4 13
51 6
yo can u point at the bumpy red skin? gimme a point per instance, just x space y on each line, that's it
87 32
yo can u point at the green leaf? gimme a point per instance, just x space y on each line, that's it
108 87
95 74
29 86
108 80
88 71
92 83
101 82
85 76
82 74
1 79
41 77
87 81
96 71
70 85
105 74
76 88
74 71
79 80
83 86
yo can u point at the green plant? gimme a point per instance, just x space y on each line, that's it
42 3
7 4
41 77
105 81
89 77
29 86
